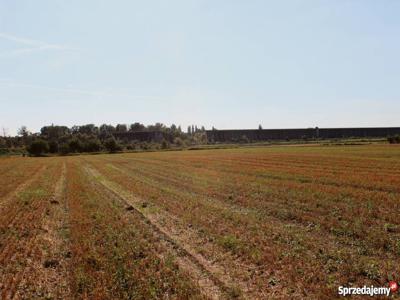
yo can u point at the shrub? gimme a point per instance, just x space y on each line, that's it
4 151
53 147
395 139
112 145
38 147
179 142
199 138
145 146
64 149
92 145
164 144
75 145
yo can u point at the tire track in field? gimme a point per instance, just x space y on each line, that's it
51 270
224 262
12 216
42 272
18 227
56 279
212 279
171 223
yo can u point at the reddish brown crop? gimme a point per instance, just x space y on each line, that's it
277 222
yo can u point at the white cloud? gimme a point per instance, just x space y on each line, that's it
34 46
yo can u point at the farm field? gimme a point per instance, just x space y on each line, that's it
251 223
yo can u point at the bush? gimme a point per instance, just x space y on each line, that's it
145 146
38 147
179 142
395 139
64 149
112 145
131 147
4 151
164 144
92 145
53 147
199 138
75 145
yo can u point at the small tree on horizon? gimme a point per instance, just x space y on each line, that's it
23 131
121 128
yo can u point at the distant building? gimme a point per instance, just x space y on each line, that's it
236 135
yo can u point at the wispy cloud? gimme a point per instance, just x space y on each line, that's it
9 83
32 45
110 93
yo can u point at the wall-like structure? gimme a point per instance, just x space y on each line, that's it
254 135
299 134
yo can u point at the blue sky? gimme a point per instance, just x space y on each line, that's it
228 64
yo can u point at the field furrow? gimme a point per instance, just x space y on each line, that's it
115 254
216 279
23 251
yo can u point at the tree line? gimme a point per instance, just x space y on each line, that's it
90 138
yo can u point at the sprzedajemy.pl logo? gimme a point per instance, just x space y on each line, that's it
369 290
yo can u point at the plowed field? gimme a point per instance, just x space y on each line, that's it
252 223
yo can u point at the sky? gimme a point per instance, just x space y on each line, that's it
222 63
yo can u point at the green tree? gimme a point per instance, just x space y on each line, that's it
137 127
179 142
64 149
92 145
121 128
38 147
156 127
164 144
54 132
111 145
53 147
89 129
104 128
200 138
75 145
23 131
3 143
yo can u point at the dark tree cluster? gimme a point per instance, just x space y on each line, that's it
90 138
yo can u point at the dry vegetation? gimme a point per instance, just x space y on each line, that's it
278 222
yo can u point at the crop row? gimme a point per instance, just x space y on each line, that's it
328 234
